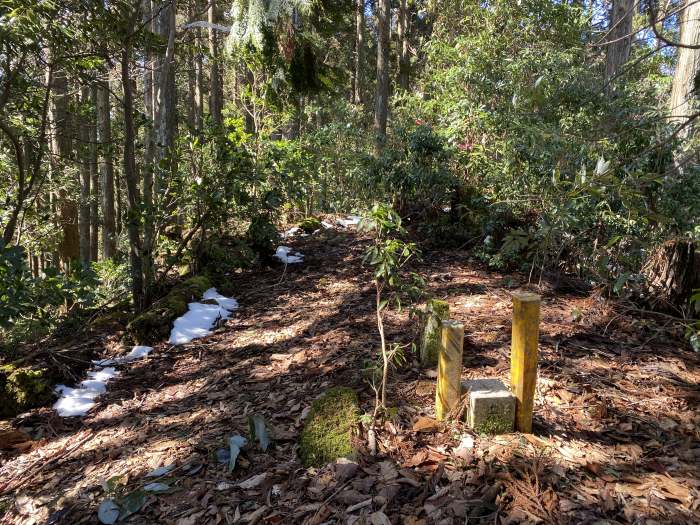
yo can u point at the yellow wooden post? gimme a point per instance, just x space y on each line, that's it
523 357
449 387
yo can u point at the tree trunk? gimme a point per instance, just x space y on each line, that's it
191 103
685 78
404 58
151 91
106 149
85 176
381 109
94 180
131 177
671 272
620 38
215 92
198 85
357 80
61 150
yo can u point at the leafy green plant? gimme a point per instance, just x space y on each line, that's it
15 294
387 256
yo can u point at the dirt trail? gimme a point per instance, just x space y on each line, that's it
616 421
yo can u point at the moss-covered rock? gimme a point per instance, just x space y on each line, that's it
327 433
154 324
436 311
22 388
115 318
310 224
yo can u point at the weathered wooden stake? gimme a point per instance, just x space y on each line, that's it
523 357
449 387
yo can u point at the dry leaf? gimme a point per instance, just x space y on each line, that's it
426 424
379 518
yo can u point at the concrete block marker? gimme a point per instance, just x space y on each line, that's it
490 406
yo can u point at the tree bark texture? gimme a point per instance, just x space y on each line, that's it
619 38
684 95
381 109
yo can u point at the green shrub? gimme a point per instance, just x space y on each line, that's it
262 235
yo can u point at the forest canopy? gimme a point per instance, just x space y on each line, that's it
138 138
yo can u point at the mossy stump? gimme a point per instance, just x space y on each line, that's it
154 324
436 311
327 433
22 388
310 224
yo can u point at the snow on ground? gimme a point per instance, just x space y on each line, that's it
77 401
137 352
291 232
201 318
350 220
197 322
287 256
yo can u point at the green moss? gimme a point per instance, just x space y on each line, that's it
117 317
495 425
436 312
310 224
22 388
154 324
327 433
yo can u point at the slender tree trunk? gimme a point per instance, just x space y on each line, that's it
684 96
357 77
61 150
85 177
191 104
215 92
151 82
106 148
95 180
381 109
404 57
620 38
131 177
198 83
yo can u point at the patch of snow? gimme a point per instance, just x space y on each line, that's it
136 352
201 318
197 322
291 232
327 225
78 401
285 254
350 220
225 302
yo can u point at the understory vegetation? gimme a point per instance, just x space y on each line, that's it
141 143
153 150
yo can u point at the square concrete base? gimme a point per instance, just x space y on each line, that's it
490 406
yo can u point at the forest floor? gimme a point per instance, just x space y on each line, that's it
615 428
